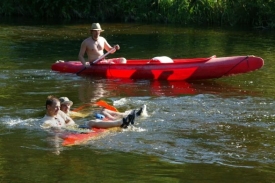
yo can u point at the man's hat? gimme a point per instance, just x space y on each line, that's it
65 100
96 26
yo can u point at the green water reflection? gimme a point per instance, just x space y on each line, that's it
195 132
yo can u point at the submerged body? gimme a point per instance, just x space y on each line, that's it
80 138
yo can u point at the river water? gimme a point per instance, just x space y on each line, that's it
218 130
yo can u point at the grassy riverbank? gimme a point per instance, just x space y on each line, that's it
255 13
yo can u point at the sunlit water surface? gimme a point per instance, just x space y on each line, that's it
205 131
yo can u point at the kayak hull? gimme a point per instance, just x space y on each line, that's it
78 138
180 69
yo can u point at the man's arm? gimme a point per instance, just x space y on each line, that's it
68 120
82 53
107 46
46 124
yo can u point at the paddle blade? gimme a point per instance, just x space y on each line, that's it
102 103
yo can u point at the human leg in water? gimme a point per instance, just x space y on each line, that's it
129 119
132 117
139 111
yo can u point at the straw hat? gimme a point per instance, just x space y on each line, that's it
65 100
96 26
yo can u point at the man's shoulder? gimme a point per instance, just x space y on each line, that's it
87 40
46 122
46 119
61 114
101 38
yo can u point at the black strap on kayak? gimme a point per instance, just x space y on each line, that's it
237 65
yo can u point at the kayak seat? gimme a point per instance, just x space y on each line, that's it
120 60
160 60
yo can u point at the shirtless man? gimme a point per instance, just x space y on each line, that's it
57 119
94 46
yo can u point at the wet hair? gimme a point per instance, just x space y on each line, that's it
50 100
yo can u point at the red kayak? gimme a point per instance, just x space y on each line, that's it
80 138
165 68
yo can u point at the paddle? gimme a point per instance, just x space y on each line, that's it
97 60
101 103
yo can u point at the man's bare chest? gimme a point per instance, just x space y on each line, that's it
95 45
